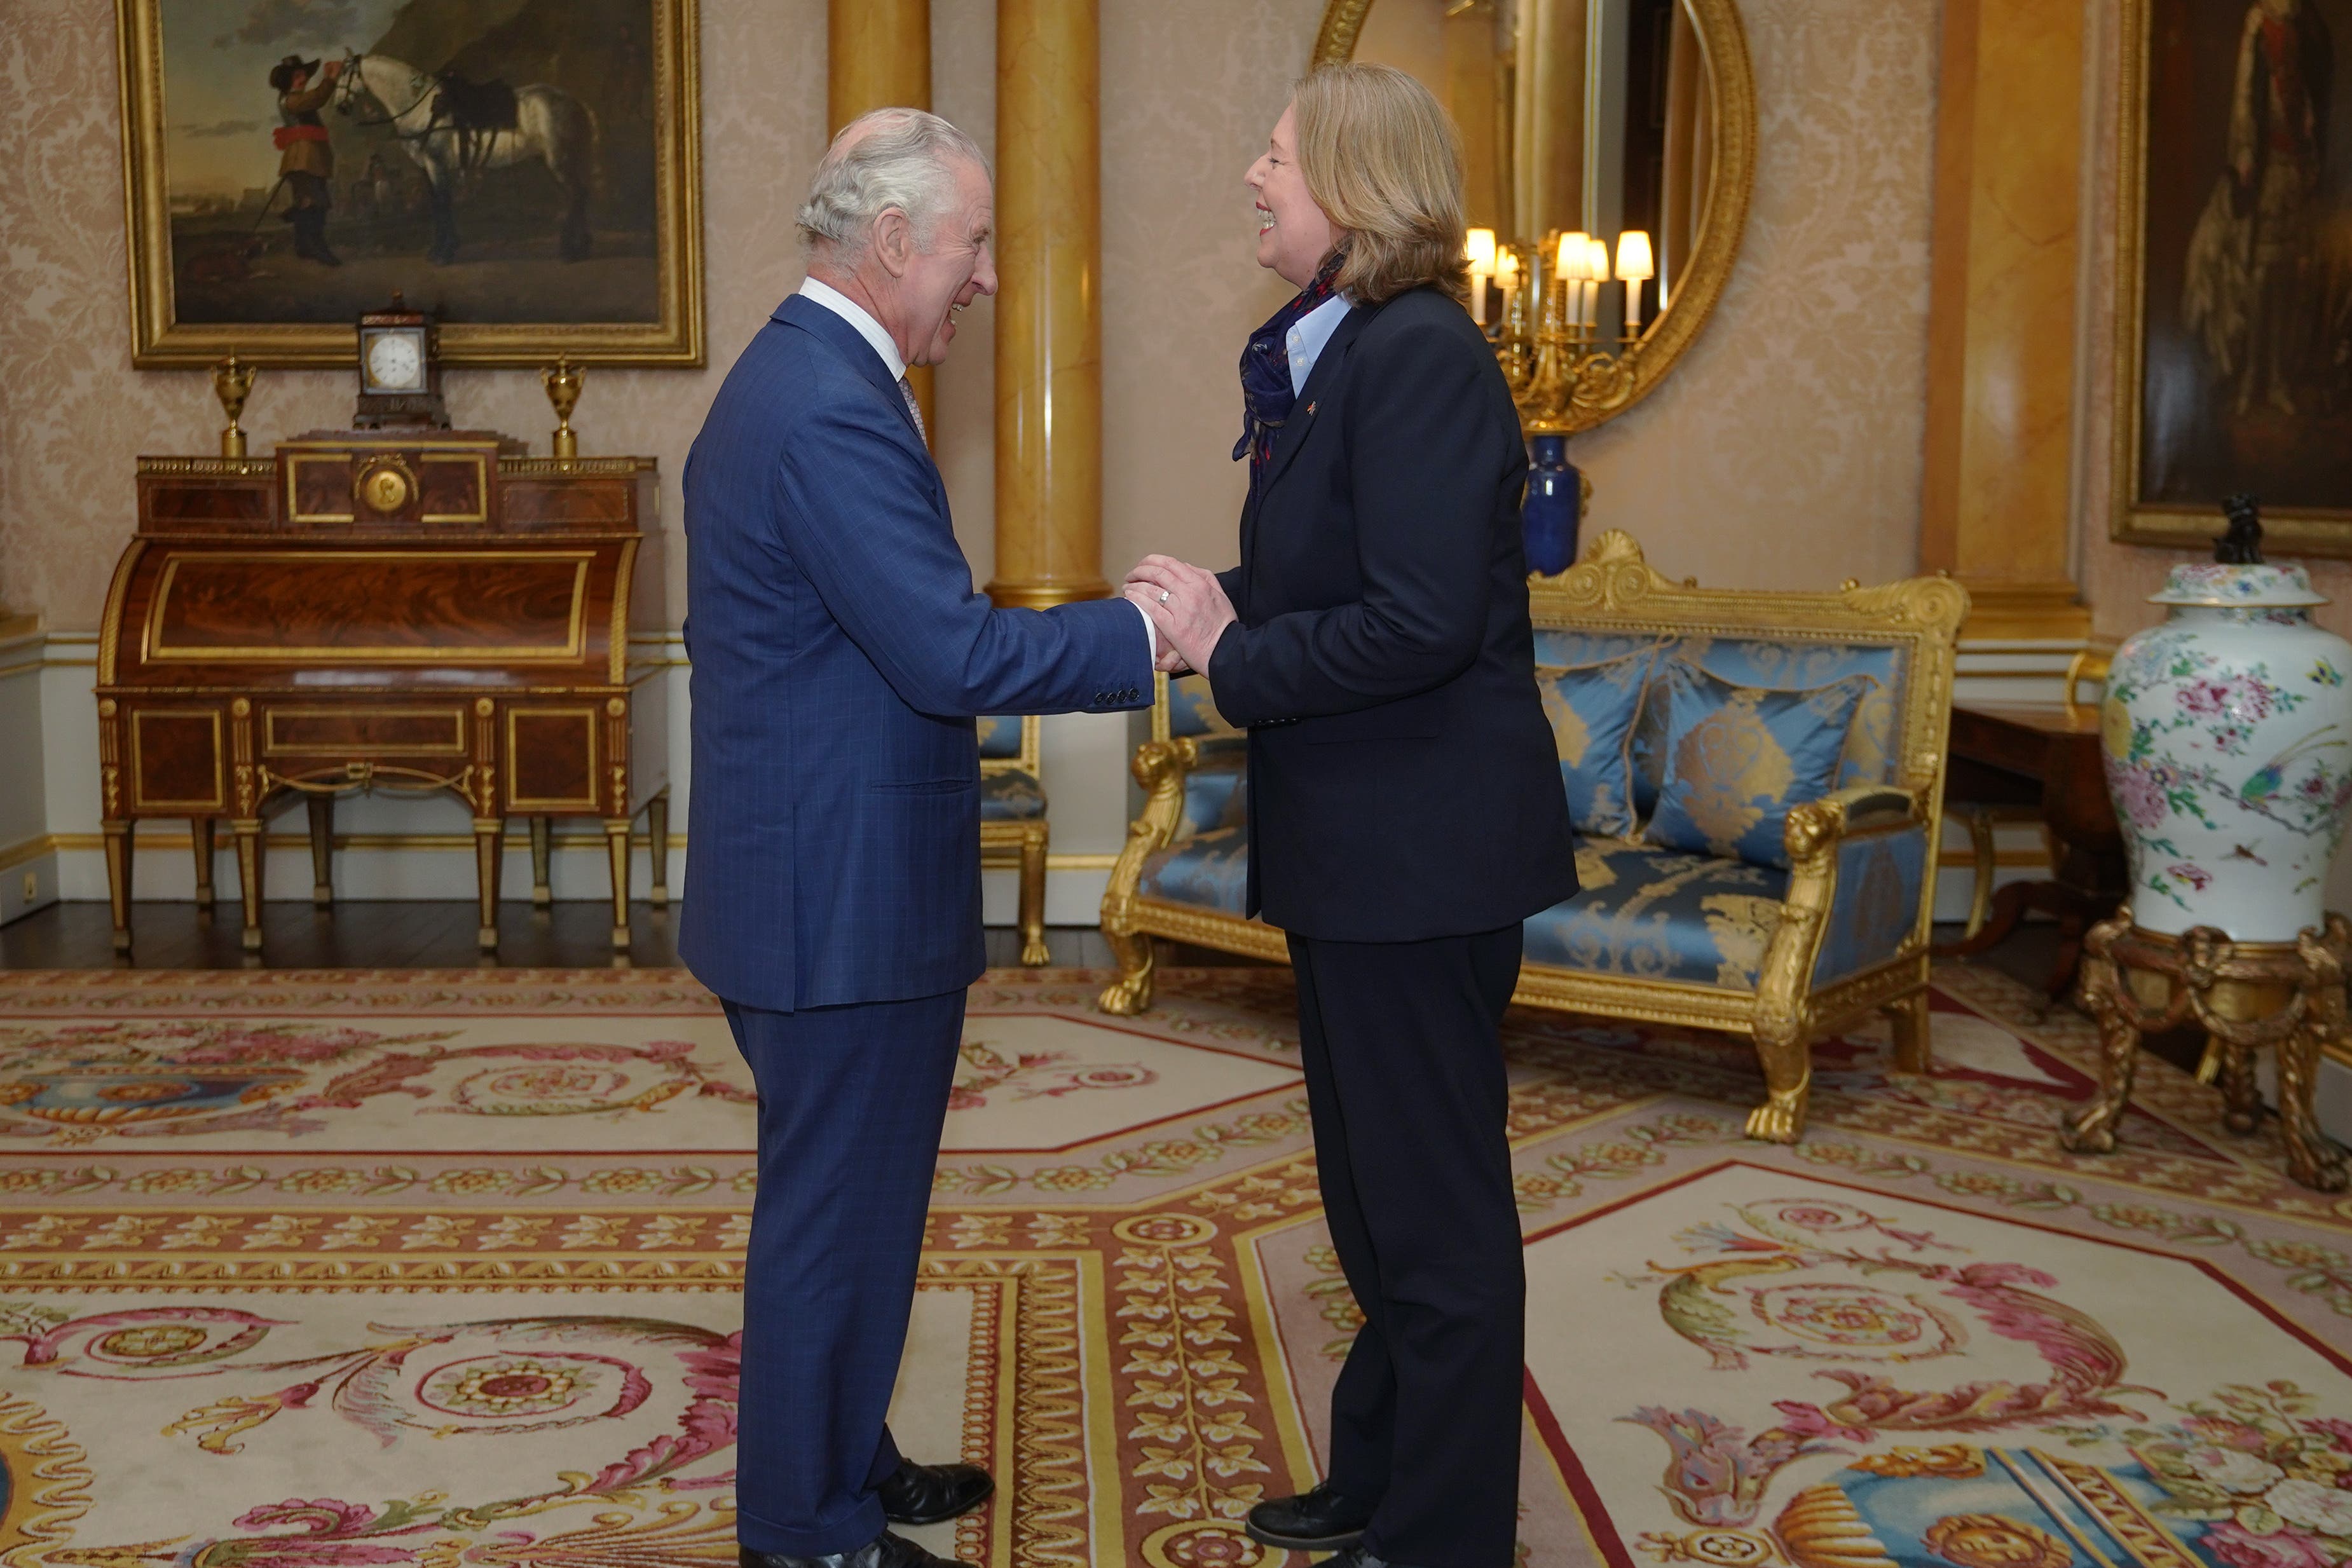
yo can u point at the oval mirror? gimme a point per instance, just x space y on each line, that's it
1620 126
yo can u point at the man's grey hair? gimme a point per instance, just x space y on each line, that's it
900 158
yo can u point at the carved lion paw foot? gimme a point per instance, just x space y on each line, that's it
1125 998
1780 1119
2089 1133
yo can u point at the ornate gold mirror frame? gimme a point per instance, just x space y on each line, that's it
1565 384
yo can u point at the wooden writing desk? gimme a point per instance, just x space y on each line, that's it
2045 754
420 611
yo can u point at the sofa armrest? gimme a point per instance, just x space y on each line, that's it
1849 813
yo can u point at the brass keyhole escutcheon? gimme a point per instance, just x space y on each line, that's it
385 487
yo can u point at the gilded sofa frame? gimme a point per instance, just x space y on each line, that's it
1614 590
1020 844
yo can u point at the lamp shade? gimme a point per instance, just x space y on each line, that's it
1507 268
1596 260
1479 251
1575 255
1634 262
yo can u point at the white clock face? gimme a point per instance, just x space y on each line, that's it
395 362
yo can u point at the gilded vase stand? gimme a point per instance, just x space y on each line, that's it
2288 996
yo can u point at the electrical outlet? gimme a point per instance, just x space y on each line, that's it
32 886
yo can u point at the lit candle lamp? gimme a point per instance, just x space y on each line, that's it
1596 273
1637 266
1480 252
1573 257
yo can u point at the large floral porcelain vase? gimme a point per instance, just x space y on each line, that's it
2228 737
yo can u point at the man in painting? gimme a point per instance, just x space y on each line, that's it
2248 257
305 161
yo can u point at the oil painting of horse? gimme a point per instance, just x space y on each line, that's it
525 169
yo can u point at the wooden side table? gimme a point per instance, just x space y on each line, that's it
2288 996
2047 753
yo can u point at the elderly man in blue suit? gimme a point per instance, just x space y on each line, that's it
840 655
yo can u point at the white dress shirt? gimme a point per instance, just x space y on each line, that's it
857 315
1304 340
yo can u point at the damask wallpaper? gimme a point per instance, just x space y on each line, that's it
1784 452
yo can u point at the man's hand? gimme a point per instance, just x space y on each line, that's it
1187 605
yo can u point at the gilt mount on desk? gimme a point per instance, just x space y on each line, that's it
368 609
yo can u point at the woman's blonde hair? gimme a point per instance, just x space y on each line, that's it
1384 162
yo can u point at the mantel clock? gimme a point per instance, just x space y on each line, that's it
399 371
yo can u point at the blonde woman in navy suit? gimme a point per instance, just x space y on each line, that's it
1405 807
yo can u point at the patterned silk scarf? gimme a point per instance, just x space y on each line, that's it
1266 394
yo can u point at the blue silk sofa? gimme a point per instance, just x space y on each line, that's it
1013 828
1782 925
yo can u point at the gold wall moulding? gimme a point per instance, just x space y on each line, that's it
1590 122
231 237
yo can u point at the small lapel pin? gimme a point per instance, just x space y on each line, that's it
1310 411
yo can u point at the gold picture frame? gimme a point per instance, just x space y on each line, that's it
2135 518
1715 244
659 318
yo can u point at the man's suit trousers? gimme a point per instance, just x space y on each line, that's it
1402 1051
852 1102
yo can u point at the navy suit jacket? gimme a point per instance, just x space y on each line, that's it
839 657
1403 781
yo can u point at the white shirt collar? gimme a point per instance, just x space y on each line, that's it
851 311
1304 342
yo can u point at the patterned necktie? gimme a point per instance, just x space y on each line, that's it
914 410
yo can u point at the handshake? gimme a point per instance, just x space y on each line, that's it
1187 604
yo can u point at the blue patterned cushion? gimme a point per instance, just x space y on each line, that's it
1214 798
1191 710
1000 736
1797 664
1738 756
1659 915
1880 880
1207 871
1011 795
1593 709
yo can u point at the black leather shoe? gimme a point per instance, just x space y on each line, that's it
1317 1521
885 1551
927 1494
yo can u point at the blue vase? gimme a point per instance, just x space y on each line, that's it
1547 517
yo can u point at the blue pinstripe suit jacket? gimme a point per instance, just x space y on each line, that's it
839 655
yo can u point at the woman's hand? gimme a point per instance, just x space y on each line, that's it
1187 605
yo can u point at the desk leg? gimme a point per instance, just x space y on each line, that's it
118 879
488 837
542 836
250 856
657 833
200 834
1986 850
321 810
617 840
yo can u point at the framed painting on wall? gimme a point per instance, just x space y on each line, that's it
2234 271
528 169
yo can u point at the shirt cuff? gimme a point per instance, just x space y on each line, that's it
1150 633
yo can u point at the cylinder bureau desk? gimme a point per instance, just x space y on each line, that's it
418 611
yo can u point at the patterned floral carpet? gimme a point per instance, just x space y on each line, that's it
309 1270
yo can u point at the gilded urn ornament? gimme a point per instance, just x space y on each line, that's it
2227 739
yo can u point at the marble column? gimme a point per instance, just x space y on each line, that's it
1049 304
1998 501
879 56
